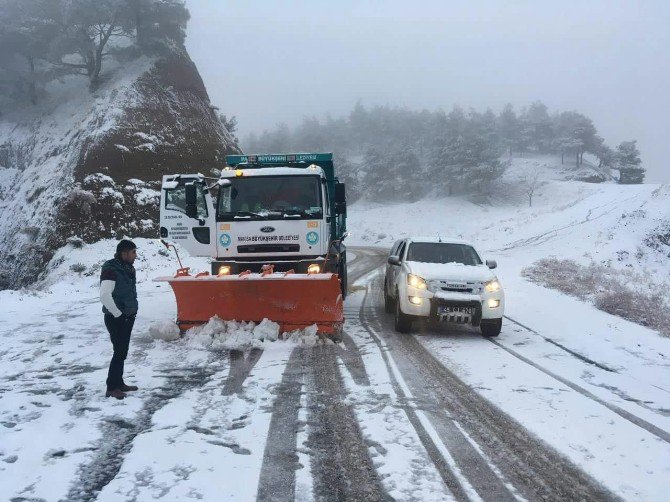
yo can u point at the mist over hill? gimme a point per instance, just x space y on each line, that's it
392 153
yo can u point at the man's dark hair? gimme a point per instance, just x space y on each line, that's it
124 245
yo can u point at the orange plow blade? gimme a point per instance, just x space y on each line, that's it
294 301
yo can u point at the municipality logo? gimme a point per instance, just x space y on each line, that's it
225 240
312 238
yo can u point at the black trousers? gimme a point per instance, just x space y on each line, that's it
119 333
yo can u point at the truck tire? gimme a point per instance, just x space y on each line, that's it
336 336
342 272
389 304
491 327
403 322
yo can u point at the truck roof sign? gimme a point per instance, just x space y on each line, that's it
281 159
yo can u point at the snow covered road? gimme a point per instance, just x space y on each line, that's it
440 415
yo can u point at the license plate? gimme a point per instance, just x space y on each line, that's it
457 310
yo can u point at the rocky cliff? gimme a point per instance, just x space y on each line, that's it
87 166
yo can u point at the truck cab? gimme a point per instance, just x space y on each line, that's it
288 211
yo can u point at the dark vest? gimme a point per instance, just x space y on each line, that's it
125 289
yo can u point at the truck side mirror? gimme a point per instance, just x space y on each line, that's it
191 200
491 264
340 199
394 260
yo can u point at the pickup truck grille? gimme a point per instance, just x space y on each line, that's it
457 286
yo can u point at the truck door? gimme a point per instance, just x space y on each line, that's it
187 215
396 269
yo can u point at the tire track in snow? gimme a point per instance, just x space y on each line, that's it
626 415
503 446
550 234
441 436
241 364
280 460
118 434
341 464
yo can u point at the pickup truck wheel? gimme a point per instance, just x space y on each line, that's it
491 327
388 301
403 322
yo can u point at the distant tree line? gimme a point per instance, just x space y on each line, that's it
389 153
41 40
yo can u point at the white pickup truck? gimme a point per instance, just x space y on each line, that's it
442 280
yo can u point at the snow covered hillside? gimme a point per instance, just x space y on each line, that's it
86 164
626 227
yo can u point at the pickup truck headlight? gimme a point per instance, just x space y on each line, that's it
416 282
492 286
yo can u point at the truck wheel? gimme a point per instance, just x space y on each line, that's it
403 322
388 301
342 272
336 336
491 327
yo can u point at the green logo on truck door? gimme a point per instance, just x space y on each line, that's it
225 240
312 238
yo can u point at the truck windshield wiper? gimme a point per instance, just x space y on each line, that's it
243 214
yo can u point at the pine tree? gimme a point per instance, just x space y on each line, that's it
538 126
509 128
629 163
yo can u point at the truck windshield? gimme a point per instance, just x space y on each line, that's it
271 198
434 252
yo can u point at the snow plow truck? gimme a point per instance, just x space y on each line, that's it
273 226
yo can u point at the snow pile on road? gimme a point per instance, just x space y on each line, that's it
218 334
164 330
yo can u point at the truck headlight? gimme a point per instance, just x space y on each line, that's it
492 286
314 268
224 270
493 303
415 281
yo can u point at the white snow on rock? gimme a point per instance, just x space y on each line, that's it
50 135
146 196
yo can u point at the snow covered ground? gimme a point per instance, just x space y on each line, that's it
228 412
621 364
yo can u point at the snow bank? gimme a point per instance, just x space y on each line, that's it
164 330
218 334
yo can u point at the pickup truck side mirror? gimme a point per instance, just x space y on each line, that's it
394 260
340 199
191 200
491 264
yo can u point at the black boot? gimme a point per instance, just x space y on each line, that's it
117 393
128 388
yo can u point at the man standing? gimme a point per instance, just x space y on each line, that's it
118 295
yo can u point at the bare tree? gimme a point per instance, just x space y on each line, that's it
87 27
530 181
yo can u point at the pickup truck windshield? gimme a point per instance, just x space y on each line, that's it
434 252
270 198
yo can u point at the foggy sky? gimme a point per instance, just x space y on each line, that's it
277 61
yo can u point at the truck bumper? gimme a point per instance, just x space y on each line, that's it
283 264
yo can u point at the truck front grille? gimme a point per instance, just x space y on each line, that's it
269 248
